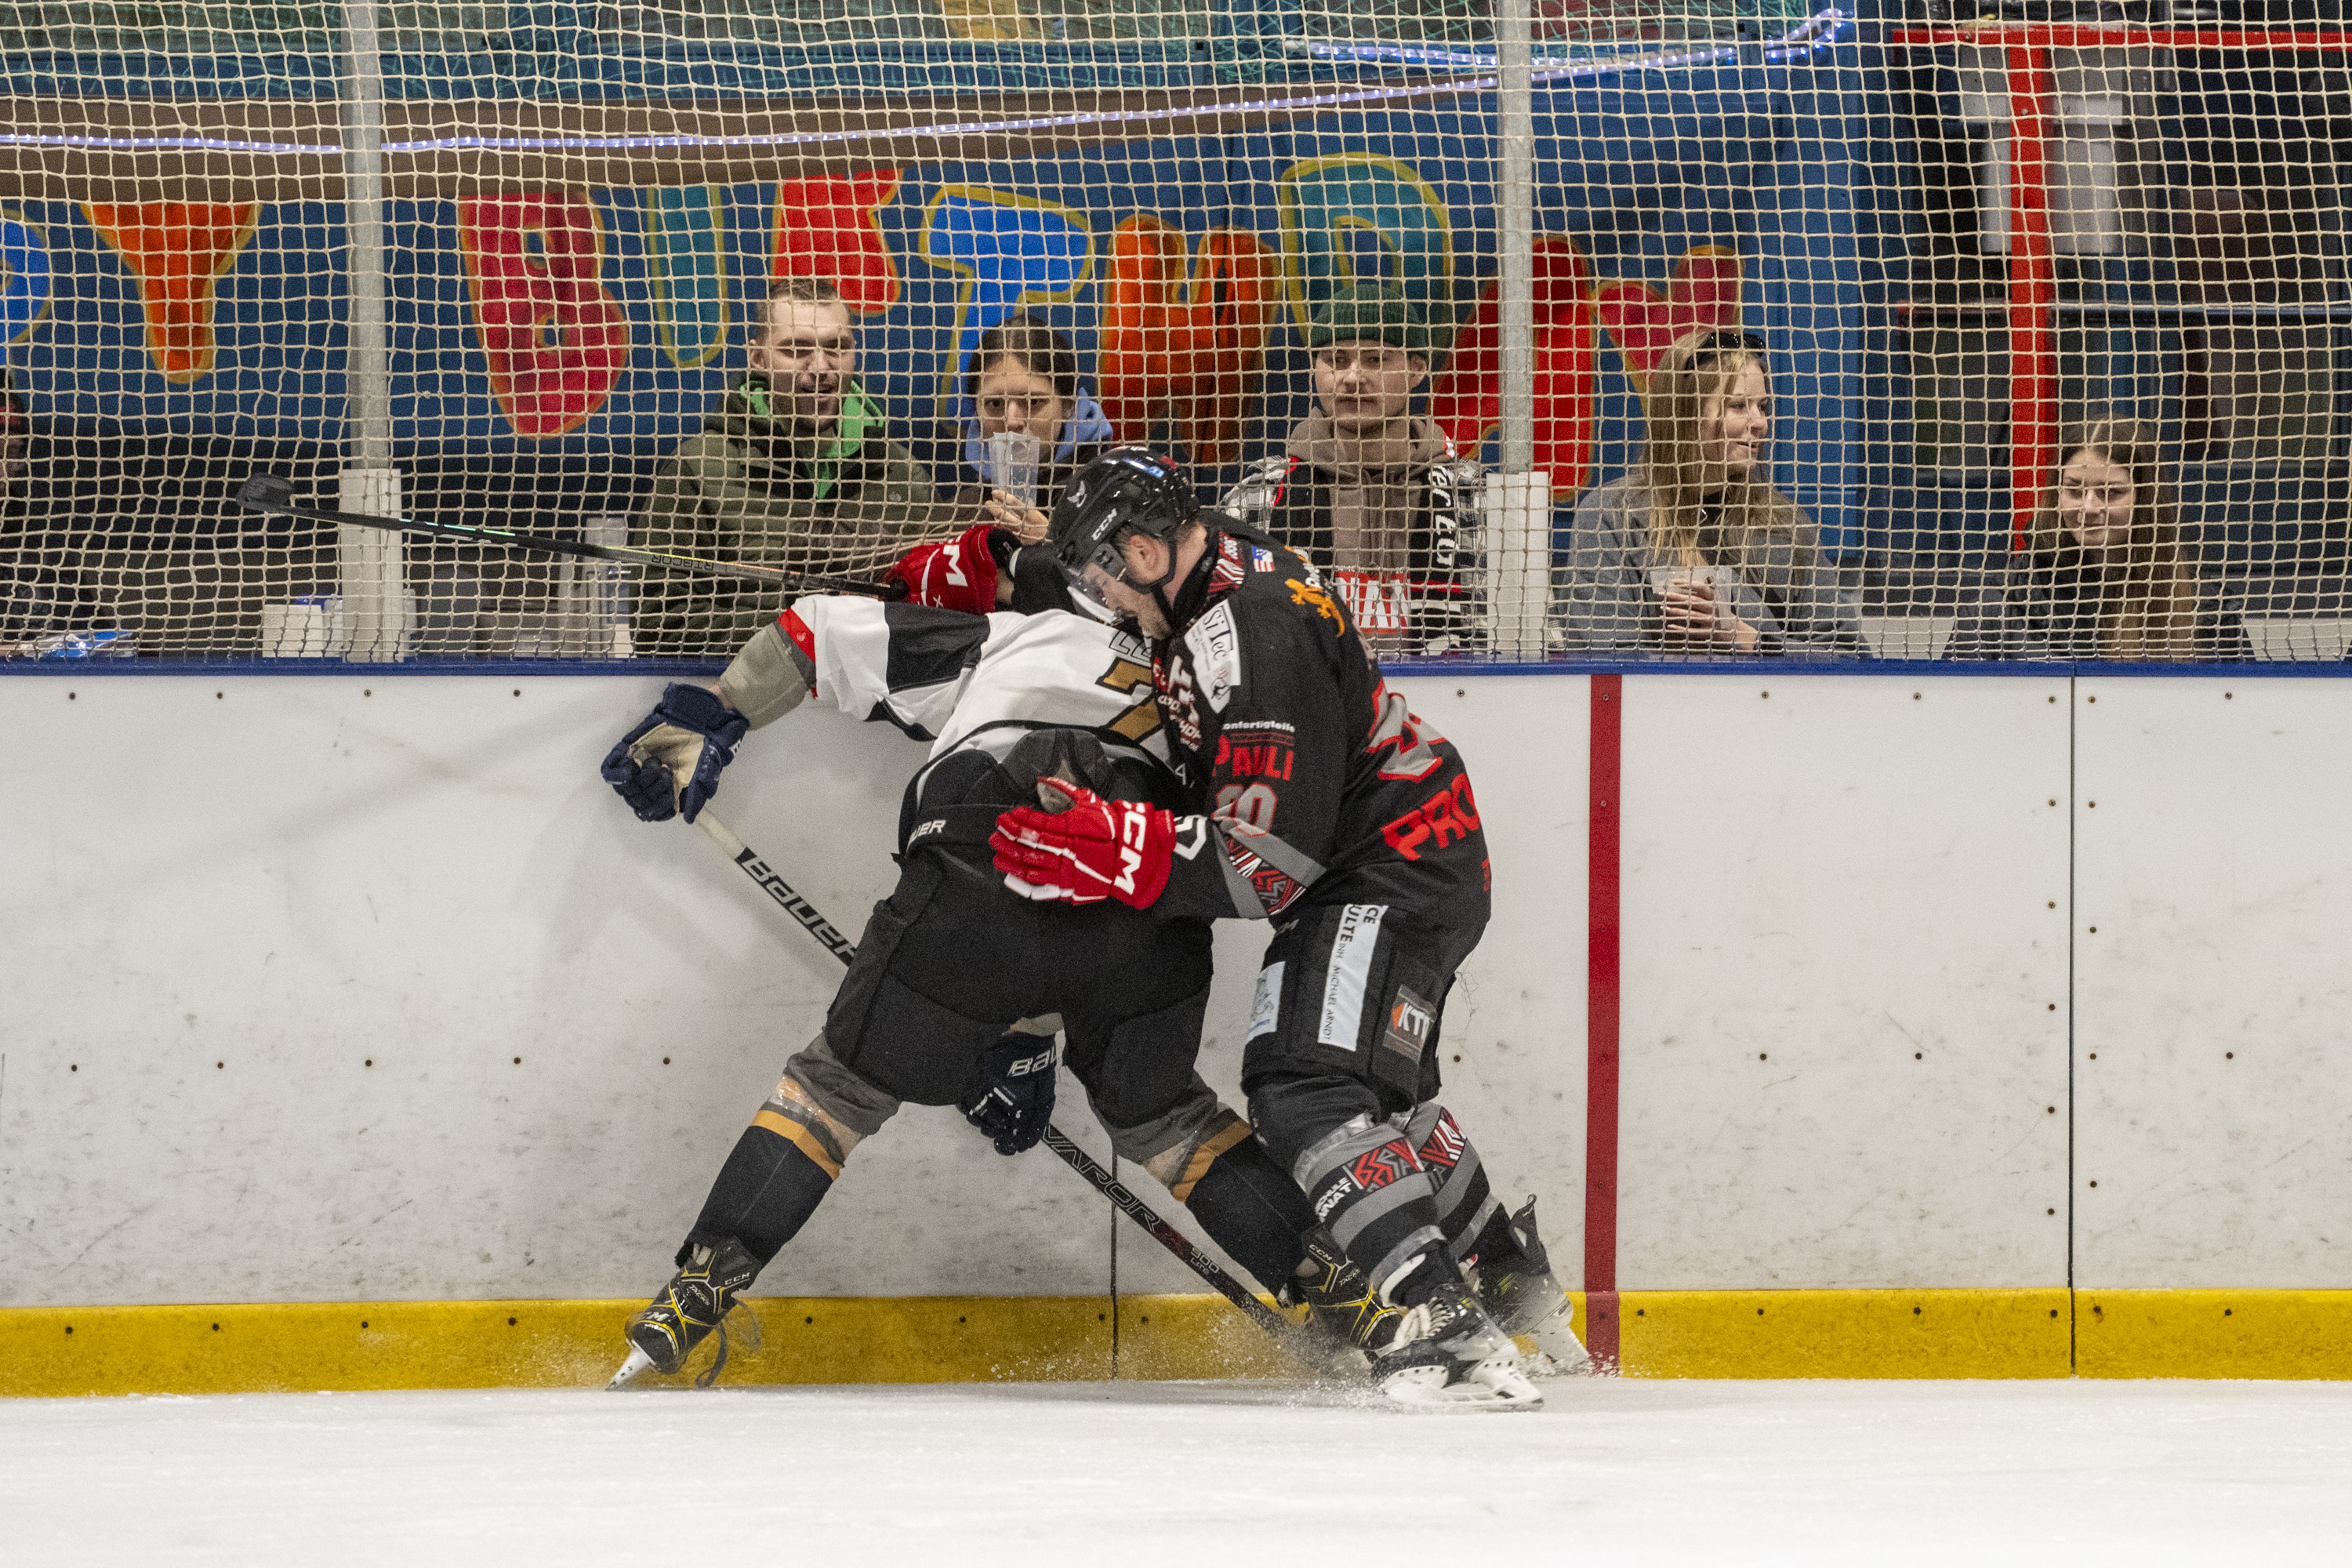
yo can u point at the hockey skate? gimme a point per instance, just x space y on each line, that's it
1521 1292
1446 1352
696 1300
1343 1312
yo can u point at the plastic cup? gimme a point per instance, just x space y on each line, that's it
1013 459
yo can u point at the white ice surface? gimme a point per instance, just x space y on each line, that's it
1611 1472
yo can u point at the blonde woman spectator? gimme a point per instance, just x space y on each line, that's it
1693 551
2102 574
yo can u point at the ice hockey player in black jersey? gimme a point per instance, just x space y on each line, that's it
1319 802
952 962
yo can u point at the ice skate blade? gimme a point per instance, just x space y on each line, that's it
1552 1350
637 1366
1496 1383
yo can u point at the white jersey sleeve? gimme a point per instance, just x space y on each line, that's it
946 676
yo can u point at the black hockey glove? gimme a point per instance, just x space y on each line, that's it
1016 1098
669 763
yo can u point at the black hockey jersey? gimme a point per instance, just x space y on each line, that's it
1316 783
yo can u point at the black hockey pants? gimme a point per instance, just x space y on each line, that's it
1341 1069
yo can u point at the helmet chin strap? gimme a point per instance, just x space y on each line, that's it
1158 588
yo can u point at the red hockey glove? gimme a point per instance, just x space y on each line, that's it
1088 850
960 574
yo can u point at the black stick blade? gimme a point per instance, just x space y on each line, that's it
266 492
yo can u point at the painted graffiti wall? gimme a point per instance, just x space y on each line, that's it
609 320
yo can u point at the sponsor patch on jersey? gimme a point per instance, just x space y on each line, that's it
1266 1002
1350 967
1216 645
1412 1020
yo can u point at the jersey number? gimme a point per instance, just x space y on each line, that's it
1251 805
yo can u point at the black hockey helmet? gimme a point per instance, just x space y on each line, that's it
1128 489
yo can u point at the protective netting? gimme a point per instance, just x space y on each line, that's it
2023 340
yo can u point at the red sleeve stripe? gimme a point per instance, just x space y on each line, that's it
803 639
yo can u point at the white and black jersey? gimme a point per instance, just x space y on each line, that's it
946 676
984 689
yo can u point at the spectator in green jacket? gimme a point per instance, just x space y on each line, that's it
793 470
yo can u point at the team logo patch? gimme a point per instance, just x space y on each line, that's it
1317 599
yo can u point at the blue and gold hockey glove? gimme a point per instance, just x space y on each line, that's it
670 762
1016 1098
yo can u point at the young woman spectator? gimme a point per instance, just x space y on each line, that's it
2102 574
1693 551
1023 379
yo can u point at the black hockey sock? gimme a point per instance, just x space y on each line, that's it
1466 1209
1365 1181
764 1194
1255 1211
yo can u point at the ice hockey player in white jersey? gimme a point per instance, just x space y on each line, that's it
952 960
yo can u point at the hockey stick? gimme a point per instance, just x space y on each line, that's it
804 914
274 493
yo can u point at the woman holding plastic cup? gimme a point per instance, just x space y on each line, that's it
1693 551
1027 430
